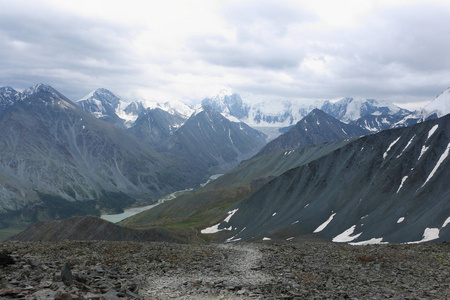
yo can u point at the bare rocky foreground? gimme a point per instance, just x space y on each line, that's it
141 270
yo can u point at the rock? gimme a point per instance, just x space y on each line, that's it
110 296
66 274
9 292
44 294
5 258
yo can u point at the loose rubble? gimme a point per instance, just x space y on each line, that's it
145 270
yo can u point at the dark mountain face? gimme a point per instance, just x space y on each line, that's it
154 126
50 146
386 187
317 127
210 143
102 104
134 108
8 96
377 123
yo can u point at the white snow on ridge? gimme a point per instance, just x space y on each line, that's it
407 145
324 224
441 159
346 236
422 152
215 228
440 105
390 146
428 235
230 214
401 184
373 241
446 222
431 132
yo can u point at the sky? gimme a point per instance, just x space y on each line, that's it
188 50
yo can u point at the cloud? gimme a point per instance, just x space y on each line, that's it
189 50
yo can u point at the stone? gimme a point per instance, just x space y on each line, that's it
5 258
66 274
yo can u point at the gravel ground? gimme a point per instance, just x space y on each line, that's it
139 270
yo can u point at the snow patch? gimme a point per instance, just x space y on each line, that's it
432 131
400 220
230 214
295 222
441 159
390 146
373 241
401 184
409 143
422 152
274 214
266 239
324 224
215 228
446 222
290 239
428 235
346 236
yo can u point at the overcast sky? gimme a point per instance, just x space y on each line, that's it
187 50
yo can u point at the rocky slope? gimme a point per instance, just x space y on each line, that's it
53 154
317 127
307 270
386 187
208 143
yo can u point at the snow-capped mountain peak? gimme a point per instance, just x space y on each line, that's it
40 87
8 96
351 109
439 106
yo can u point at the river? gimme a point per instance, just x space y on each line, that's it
135 210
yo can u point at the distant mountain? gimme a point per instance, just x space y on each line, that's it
439 107
350 109
370 114
317 127
209 142
104 105
53 153
386 187
8 96
376 123
230 105
154 126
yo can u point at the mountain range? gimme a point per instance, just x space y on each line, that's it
60 158
389 187
50 146
338 173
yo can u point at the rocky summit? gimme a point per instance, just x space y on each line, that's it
151 270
